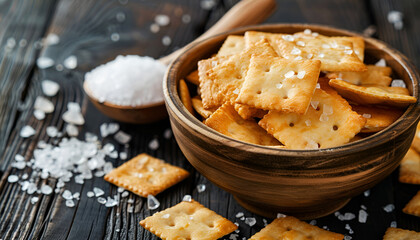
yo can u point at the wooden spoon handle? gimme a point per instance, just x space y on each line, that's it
246 12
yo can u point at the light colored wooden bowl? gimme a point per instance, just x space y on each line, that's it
304 183
128 114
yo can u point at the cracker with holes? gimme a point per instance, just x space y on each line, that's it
193 78
377 118
185 96
335 53
248 112
145 175
232 45
228 122
274 83
374 75
400 234
413 206
373 94
253 37
416 141
221 78
410 168
292 228
198 107
188 220
329 122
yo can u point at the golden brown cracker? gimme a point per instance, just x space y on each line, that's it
400 234
188 220
373 94
274 83
232 45
145 175
228 122
290 228
416 141
247 112
377 118
198 107
193 78
184 93
374 75
329 122
413 206
221 78
410 168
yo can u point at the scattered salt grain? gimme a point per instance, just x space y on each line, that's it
279 85
395 18
34 200
120 17
301 74
52 39
124 194
300 43
122 137
52 131
152 202
40 115
315 34
201 188
366 193
363 207
281 215
154 144
50 88
76 195
362 216
123 155
167 134
307 31
44 62
347 226
107 129
207 4
67 195
250 221
314 104
233 236
46 190
347 237
288 38
25 176
154 28
166 216
162 20
70 62
23 43
187 198
27 131
43 105
296 51
19 158
311 144
59 67
323 118
166 40
393 224
308 123
10 43
318 86
398 83
90 194
72 130
113 154
313 222
130 209
98 192
289 74
12 178
111 202
321 55
346 217
381 63
389 208
265 222
186 18
73 114
239 215
101 200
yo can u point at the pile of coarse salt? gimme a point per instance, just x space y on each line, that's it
127 81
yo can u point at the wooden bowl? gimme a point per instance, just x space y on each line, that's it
304 183
128 114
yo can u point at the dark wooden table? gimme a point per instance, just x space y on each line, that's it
96 31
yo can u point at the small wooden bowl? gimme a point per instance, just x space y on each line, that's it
128 114
304 183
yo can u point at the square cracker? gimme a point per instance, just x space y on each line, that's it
400 234
291 228
413 206
373 94
374 75
221 78
377 118
144 175
410 168
228 122
188 220
232 45
335 53
268 86
329 122
416 141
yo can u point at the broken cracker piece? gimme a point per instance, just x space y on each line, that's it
193 78
400 234
198 107
373 94
377 75
329 122
248 112
228 122
232 45
377 118
145 175
184 94
413 206
274 83
410 168
188 220
291 228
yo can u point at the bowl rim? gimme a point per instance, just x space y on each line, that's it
174 103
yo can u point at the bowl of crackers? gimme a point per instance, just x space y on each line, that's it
293 118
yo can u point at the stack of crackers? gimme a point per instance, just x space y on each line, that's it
300 91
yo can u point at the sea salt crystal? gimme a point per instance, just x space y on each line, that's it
279 85
123 155
313 222
166 40
346 217
23 43
398 83
366 115
321 55
154 28
122 137
362 216
44 62
289 74
239 215
12 178
318 86
46 190
111 202
25 176
201 188
395 18
40 115
381 63
233 236
124 194
265 222
288 38
187 198
76 195
300 43
43 104
52 39
130 209
107 129
236 91
34 200
19 158
27 131
52 131
393 224
327 109
250 221
307 31
315 34
167 134
323 118
120 16
207 4
166 216
162 20
152 202
389 208
308 123
67 195
10 43
301 74
130 81
73 114
101 200
115 37
347 237
90 194
113 154
50 88
72 130
70 62
186 18
366 193
154 144
295 51
98 192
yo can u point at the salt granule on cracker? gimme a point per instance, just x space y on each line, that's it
188 220
377 118
374 75
274 83
329 122
291 228
413 206
410 168
232 45
400 234
228 122
373 94
144 175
